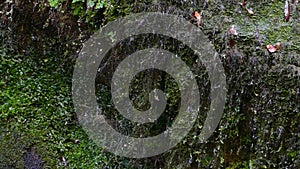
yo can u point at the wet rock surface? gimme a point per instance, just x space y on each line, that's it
32 160
260 124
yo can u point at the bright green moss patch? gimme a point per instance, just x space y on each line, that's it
37 111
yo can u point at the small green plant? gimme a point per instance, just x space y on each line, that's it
83 8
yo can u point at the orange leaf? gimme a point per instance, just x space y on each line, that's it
198 17
271 48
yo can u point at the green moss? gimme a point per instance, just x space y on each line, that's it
259 127
269 24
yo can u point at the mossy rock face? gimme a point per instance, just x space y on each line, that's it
11 152
260 123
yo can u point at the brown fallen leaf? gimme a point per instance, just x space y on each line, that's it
250 11
231 43
295 2
274 48
278 46
232 30
243 3
287 10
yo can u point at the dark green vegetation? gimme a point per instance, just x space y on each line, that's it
260 124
